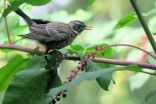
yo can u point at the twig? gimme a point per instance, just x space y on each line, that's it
20 48
6 24
115 62
100 60
144 25
114 45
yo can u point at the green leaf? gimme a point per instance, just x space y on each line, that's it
126 20
107 52
7 72
90 2
133 68
150 95
77 49
2 97
38 2
84 76
14 4
31 86
103 81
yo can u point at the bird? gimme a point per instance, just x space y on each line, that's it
53 35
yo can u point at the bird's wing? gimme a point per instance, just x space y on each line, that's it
54 31
37 32
58 31
34 36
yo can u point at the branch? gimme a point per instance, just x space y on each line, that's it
144 25
114 45
100 60
115 62
20 48
6 24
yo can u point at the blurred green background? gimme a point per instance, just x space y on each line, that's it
102 15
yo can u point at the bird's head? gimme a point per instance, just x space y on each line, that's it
78 26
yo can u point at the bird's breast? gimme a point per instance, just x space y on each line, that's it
59 44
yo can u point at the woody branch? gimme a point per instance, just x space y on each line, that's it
77 58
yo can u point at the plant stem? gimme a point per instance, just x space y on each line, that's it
77 58
20 48
6 25
144 25
115 62
114 45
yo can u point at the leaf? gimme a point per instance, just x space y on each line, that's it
14 4
84 76
8 71
107 52
133 68
77 49
126 20
90 2
103 81
2 97
31 86
150 95
38 2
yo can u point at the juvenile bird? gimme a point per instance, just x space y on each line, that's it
53 35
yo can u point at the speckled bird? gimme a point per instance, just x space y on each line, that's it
53 35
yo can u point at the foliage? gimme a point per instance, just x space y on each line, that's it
104 80
150 95
128 19
14 4
35 80
7 72
30 79
33 83
91 2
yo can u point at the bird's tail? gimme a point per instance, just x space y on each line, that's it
28 20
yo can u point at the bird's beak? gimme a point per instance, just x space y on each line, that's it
87 28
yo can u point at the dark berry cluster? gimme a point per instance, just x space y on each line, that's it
59 95
75 72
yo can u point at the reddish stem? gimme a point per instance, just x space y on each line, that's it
132 47
20 48
116 62
102 60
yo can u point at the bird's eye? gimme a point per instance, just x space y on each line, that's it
77 27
